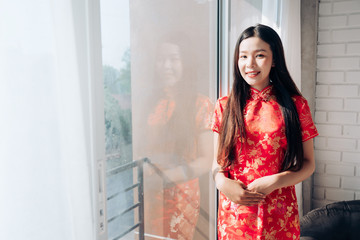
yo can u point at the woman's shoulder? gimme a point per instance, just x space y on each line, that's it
222 101
299 100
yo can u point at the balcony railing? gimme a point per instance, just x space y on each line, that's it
138 201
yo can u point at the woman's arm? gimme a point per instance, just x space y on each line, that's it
198 166
270 183
235 190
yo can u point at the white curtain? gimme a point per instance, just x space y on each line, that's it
46 121
285 19
290 33
289 30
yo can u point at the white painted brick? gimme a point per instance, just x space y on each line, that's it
329 77
325 8
323 63
346 7
341 144
351 157
329 130
324 37
354 20
320 117
319 167
343 91
346 35
326 181
328 104
351 183
319 193
342 117
353 77
352 131
352 104
322 91
339 195
337 93
332 21
327 50
345 63
357 196
320 143
340 169
327 156
353 49
319 203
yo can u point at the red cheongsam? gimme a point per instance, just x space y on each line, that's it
262 155
177 216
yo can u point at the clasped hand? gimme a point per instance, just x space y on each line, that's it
252 194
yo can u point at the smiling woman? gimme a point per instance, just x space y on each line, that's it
255 62
265 133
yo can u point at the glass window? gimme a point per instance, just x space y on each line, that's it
116 56
159 70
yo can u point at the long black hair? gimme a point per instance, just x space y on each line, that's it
284 88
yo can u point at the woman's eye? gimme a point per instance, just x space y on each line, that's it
243 56
260 56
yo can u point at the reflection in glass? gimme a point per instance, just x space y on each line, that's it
172 110
177 124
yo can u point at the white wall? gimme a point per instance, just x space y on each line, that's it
337 104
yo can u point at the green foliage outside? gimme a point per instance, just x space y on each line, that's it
117 87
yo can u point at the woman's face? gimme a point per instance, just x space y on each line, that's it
255 62
169 66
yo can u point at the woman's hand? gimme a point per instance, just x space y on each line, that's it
237 192
264 185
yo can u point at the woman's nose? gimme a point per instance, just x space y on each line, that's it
250 62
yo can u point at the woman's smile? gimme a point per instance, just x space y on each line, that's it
252 74
255 62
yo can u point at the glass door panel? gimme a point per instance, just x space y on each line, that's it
173 92
159 70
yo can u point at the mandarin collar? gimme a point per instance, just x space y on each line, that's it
263 95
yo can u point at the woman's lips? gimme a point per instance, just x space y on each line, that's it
252 74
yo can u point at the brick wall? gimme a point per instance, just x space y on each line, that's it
337 104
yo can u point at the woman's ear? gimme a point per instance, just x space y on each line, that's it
273 63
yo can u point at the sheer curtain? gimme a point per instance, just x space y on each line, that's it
284 17
290 33
286 20
46 146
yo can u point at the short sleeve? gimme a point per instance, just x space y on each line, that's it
204 113
218 112
308 129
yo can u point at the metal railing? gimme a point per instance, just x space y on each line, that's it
139 184
140 197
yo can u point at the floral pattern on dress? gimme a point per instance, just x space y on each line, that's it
177 216
262 155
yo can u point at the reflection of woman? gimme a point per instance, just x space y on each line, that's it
265 134
178 125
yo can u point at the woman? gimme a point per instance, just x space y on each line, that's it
179 135
265 143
